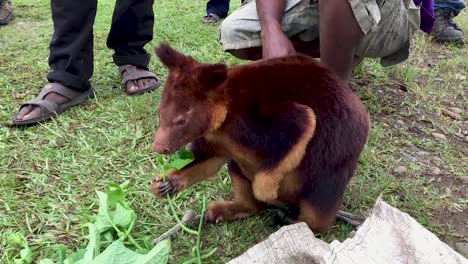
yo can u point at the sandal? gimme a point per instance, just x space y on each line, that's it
211 19
51 109
130 73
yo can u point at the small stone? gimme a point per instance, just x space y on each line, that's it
464 179
438 79
462 248
451 114
439 136
407 156
421 153
447 193
400 122
409 144
455 110
352 234
384 124
465 132
436 171
460 77
400 169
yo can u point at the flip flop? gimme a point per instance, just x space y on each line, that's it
130 73
211 18
51 109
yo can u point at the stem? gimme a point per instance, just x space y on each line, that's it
174 213
199 229
204 256
134 242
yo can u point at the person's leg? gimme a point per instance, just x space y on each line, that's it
71 52
71 48
445 29
216 10
131 30
6 12
239 33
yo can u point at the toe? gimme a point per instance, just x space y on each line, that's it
132 87
36 112
24 111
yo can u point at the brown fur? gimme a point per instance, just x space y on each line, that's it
291 130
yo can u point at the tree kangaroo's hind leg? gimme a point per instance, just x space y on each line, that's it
244 203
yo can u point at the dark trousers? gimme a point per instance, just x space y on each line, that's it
71 48
218 7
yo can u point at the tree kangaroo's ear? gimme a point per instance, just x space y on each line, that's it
170 57
211 76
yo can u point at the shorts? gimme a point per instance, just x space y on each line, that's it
388 26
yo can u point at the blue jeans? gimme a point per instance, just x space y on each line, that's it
455 5
218 7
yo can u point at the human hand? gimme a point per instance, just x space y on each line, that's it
276 44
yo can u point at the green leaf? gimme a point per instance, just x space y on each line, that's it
46 261
124 217
16 239
75 257
184 154
115 194
107 237
179 163
26 255
103 218
117 253
108 219
93 249
180 159
161 160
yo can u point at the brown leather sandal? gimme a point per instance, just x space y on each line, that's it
130 73
51 109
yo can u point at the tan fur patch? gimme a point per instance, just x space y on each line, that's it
247 160
218 115
266 183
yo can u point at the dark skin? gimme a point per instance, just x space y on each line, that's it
27 113
335 47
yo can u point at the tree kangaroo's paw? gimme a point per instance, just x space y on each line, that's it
161 188
226 211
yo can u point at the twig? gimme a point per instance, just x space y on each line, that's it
353 219
188 218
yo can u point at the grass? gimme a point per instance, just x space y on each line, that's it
50 172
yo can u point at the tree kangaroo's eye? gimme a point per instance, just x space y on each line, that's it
180 122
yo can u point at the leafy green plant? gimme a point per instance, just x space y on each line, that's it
110 231
18 240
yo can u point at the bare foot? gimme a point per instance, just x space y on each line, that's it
30 112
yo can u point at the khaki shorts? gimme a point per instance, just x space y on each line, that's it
388 26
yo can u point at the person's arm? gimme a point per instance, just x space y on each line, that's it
274 42
340 34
